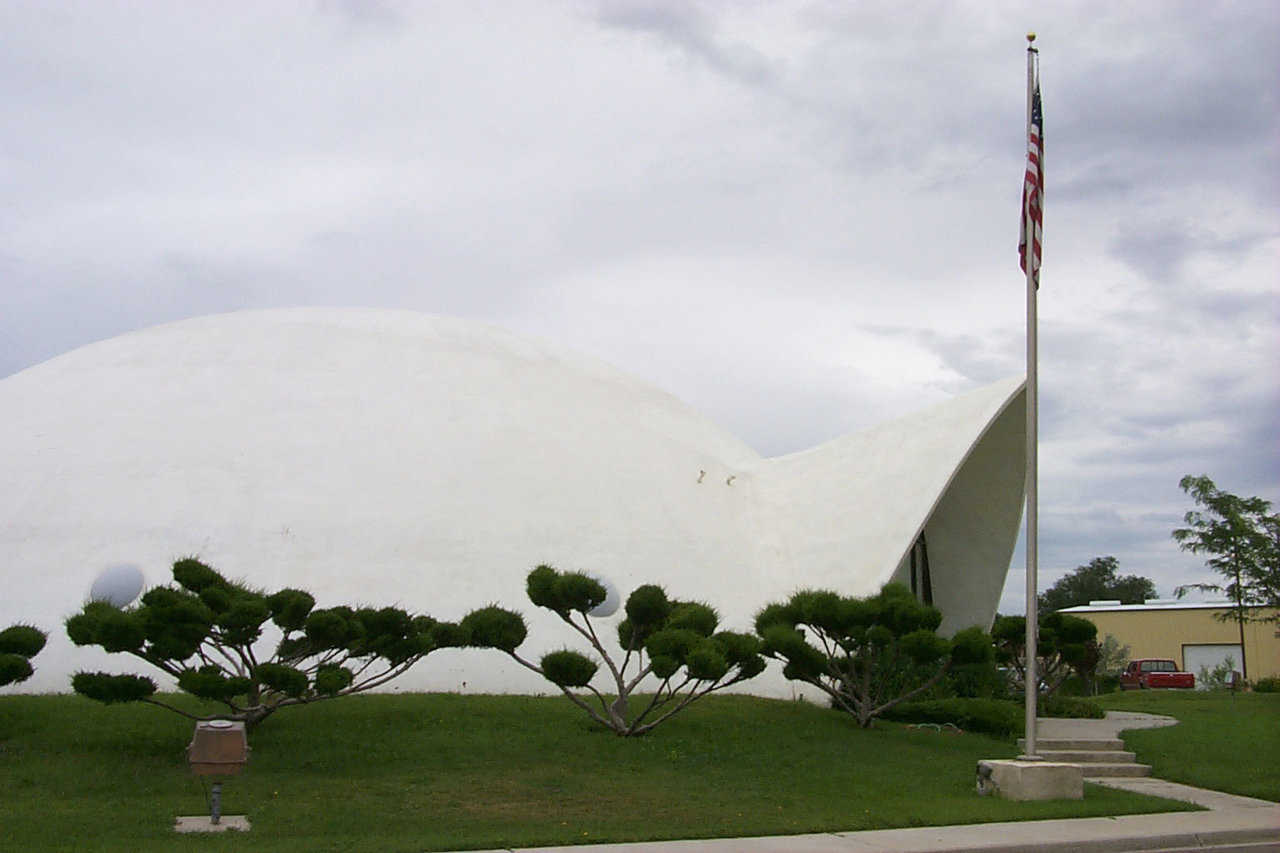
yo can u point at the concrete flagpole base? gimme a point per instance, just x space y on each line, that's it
204 823
1019 779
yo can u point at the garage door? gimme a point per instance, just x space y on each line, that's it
1209 655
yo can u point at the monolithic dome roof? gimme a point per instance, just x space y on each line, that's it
391 457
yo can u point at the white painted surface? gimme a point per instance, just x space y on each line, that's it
1153 604
392 457
118 585
1209 655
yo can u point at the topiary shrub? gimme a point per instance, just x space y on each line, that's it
867 654
674 642
982 680
18 645
206 632
998 717
109 689
1069 706
1065 645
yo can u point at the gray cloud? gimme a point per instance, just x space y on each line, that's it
977 359
377 15
1159 250
686 27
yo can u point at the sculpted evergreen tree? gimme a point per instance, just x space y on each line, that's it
18 645
867 654
1242 538
1064 644
675 642
206 631
1098 579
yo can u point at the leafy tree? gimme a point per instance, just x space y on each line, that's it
1242 537
1113 656
18 645
1218 677
1064 644
205 631
1096 580
675 642
867 654
1265 577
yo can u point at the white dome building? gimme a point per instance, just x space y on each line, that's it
388 457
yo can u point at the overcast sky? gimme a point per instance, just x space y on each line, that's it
799 217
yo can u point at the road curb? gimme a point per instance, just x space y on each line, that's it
1125 834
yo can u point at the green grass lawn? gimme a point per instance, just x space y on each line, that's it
1224 741
445 771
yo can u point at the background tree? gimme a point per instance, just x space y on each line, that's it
1096 580
1242 537
1265 577
205 632
1113 656
676 642
867 654
1065 644
18 645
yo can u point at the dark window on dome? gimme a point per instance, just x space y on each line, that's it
921 580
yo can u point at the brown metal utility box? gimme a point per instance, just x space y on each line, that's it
218 748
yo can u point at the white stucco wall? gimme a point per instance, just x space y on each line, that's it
392 457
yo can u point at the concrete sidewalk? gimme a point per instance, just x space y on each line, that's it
1231 820
1179 830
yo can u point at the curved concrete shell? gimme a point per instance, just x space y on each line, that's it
391 457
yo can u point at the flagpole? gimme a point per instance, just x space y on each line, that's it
1032 680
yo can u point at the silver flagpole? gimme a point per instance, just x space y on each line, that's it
1032 680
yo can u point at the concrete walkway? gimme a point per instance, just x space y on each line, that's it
1115 722
1215 800
1232 822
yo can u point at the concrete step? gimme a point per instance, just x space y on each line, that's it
1088 756
1074 743
1094 771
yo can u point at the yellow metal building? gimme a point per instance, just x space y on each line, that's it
1188 633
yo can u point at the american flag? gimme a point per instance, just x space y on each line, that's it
1033 191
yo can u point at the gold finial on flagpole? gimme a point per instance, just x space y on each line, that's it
1031 37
